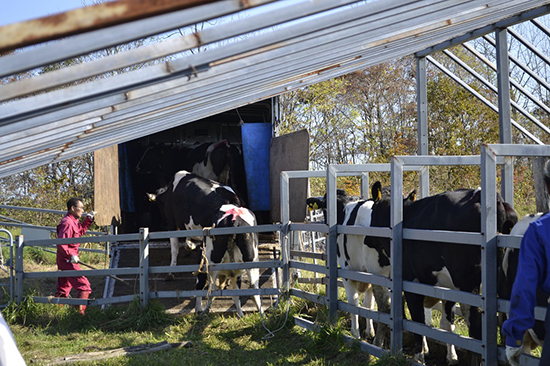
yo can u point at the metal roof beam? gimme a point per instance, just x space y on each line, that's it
154 51
93 17
118 34
481 98
528 15
180 67
514 83
529 46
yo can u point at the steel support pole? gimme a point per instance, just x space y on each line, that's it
143 267
396 253
365 191
422 117
489 256
19 270
332 262
285 221
504 111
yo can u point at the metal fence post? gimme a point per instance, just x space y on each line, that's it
19 270
489 256
396 249
285 220
143 266
332 245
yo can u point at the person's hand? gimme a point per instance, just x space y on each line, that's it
512 355
91 214
74 259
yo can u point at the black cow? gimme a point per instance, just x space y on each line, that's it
192 202
442 264
353 254
507 274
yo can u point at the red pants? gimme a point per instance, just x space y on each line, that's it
65 284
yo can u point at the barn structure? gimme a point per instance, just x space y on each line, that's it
243 64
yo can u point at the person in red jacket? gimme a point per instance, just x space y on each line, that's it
67 254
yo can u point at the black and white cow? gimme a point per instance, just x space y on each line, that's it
219 161
192 202
533 337
354 253
448 265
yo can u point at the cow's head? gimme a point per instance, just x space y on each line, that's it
342 199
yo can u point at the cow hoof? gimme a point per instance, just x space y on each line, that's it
170 277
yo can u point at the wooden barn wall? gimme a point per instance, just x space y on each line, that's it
106 186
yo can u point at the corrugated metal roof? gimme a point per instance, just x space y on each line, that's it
286 45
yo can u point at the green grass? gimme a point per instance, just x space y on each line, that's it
44 332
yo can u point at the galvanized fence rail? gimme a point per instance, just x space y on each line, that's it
143 270
488 240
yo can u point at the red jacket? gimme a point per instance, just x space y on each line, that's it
70 227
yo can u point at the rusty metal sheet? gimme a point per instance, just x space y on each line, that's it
82 20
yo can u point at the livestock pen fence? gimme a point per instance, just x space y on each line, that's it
488 241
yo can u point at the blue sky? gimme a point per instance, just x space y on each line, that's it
20 10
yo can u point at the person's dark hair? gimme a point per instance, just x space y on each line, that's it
73 201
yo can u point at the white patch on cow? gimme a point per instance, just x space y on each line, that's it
357 256
242 212
478 189
445 324
215 186
179 175
444 278
191 225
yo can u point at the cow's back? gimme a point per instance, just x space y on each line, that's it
193 200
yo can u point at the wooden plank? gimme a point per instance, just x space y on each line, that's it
106 186
82 20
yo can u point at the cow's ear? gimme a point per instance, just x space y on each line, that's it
152 197
315 203
412 196
376 191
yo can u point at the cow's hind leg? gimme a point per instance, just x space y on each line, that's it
174 251
382 296
235 283
368 303
254 277
415 303
353 299
447 323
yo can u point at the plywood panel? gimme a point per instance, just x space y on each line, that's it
289 152
106 186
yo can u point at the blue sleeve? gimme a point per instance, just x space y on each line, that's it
524 290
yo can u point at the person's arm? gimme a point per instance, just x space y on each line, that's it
524 290
83 227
